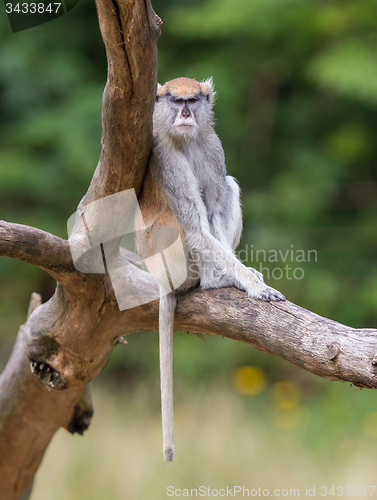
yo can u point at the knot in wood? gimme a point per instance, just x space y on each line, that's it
333 351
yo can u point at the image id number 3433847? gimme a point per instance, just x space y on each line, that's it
347 491
32 8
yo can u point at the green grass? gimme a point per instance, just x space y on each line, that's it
322 437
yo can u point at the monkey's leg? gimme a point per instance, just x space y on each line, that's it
231 214
227 228
231 219
166 321
191 213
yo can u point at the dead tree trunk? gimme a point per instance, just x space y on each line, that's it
67 341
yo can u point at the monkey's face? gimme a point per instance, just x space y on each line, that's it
183 117
185 114
184 108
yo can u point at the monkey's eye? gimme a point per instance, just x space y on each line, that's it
192 100
178 100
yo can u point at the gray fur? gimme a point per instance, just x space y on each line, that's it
188 165
166 320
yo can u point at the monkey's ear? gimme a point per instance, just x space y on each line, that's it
158 94
207 88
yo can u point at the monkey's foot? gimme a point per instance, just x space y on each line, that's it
269 293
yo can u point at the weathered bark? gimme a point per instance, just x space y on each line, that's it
130 30
64 333
67 340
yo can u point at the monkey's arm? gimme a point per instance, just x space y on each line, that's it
183 196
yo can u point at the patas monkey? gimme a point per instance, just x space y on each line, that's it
186 188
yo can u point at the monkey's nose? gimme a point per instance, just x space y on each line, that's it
185 111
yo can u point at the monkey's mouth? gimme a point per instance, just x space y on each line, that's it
185 123
185 128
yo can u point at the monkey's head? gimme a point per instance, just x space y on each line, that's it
184 107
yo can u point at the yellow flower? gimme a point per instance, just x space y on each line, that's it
286 394
249 380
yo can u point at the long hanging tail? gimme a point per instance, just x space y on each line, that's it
166 321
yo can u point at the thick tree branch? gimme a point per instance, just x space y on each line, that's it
29 417
316 344
61 336
43 250
129 30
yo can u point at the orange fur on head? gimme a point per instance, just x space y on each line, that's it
184 87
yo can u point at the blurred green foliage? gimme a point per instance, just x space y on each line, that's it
221 440
297 115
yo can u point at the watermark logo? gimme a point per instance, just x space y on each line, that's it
24 15
278 264
98 231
